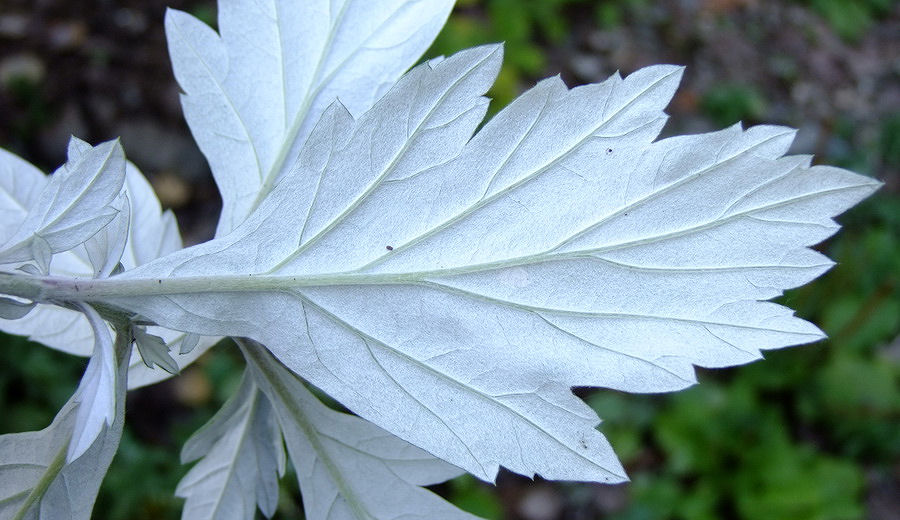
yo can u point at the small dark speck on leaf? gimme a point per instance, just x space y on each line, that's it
609 150
389 248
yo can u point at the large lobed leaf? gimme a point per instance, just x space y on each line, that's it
453 290
450 288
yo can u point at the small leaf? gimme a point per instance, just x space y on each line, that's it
72 206
30 269
188 343
140 375
104 249
13 310
154 351
241 457
96 394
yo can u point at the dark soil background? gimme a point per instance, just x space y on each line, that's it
808 435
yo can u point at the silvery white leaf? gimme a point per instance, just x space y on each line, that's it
412 273
253 94
241 458
72 206
37 483
76 149
154 233
62 329
39 251
59 328
347 467
104 249
154 351
187 343
20 186
96 394
140 375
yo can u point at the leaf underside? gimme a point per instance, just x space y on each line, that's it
560 246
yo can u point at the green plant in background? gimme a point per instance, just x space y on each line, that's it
727 104
528 28
851 18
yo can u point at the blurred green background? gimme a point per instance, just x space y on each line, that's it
812 433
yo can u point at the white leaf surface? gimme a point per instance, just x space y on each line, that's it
72 206
20 186
347 467
452 291
104 249
37 483
96 394
241 458
154 351
153 233
253 94
140 375
62 329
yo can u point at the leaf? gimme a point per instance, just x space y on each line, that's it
140 375
154 351
559 247
253 94
187 343
104 250
96 394
242 457
12 310
153 233
347 467
72 207
36 482
20 186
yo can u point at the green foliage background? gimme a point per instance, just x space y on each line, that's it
812 433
